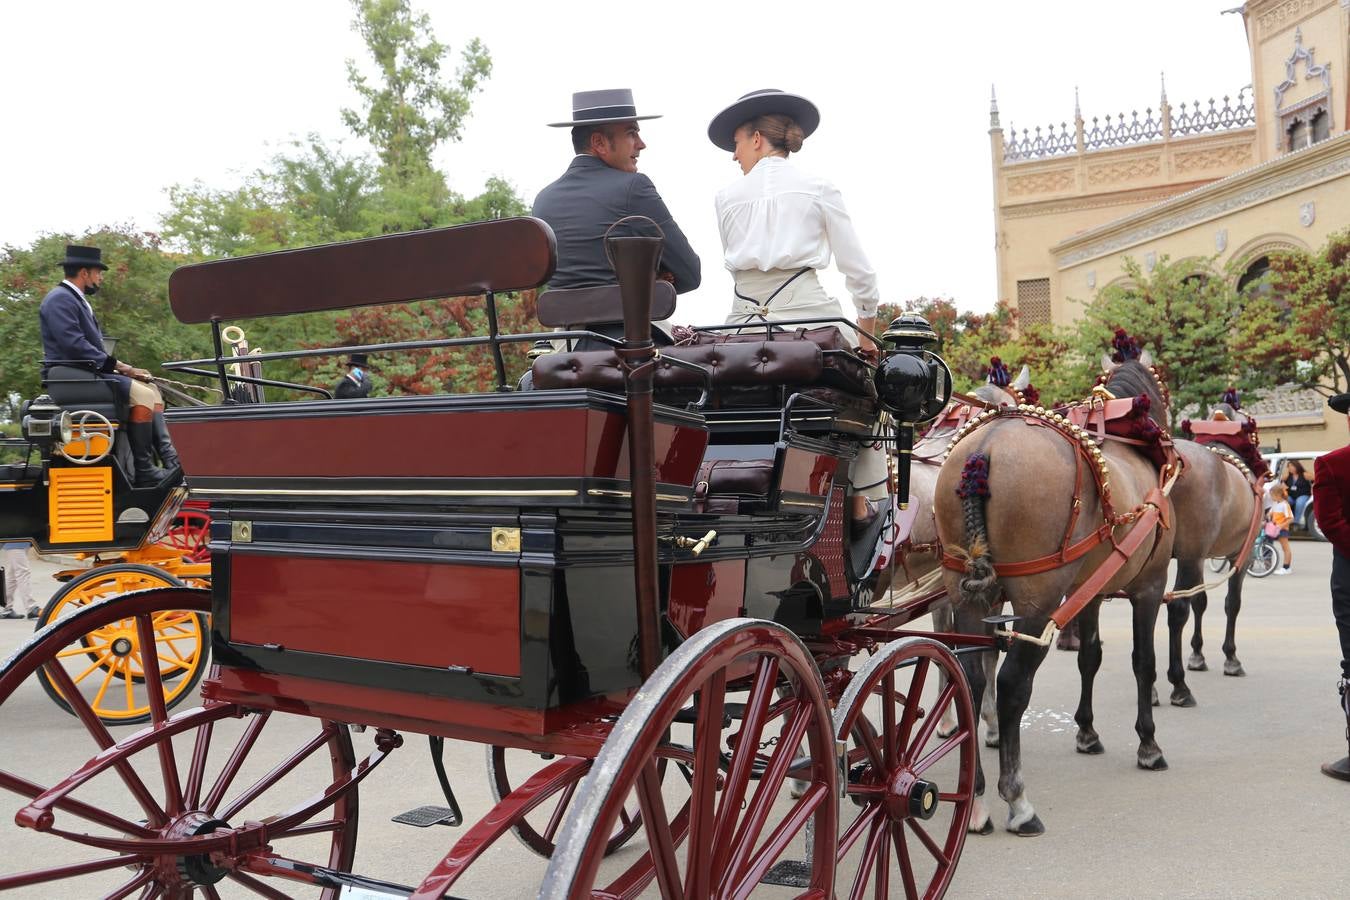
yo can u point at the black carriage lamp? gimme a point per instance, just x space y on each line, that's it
913 384
45 420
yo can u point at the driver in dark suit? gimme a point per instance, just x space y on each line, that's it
601 186
1331 505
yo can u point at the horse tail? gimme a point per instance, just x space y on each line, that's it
978 582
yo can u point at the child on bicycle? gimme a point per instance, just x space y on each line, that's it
1281 516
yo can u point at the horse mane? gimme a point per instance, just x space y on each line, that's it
1132 378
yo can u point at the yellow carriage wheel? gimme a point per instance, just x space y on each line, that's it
106 663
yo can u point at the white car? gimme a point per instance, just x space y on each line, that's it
1307 523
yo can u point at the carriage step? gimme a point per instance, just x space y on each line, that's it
426 816
793 873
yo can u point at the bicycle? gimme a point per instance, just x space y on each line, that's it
1263 560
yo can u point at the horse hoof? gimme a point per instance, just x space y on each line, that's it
1153 762
1233 667
991 741
945 733
1197 663
986 828
1030 828
1183 699
1091 748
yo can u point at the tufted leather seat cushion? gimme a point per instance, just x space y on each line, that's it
750 364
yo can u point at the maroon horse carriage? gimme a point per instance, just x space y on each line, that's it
636 576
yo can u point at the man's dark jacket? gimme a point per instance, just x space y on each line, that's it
582 204
70 332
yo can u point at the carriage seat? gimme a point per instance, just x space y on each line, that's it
73 386
600 309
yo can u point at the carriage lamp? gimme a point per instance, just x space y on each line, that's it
45 419
913 384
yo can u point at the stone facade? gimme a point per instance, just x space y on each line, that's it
1235 177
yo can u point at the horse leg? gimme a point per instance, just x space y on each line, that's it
1145 674
1199 603
989 705
1189 574
1015 679
1232 605
967 623
944 621
1089 661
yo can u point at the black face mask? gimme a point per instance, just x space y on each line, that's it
91 290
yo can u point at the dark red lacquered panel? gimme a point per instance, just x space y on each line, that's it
808 473
526 443
704 593
413 613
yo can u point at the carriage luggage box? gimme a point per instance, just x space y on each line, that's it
408 561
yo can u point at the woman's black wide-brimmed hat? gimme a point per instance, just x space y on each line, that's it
86 257
1340 403
722 129
601 108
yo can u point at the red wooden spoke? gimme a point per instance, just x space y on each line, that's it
902 854
556 819
940 751
914 696
743 757
279 772
770 782
887 721
791 826
143 881
99 732
28 789
931 723
42 876
150 892
231 769
868 815
201 749
154 689
927 840
326 826
711 703
876 839
659 839
257 886
883 868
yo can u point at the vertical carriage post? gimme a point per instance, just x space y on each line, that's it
634 260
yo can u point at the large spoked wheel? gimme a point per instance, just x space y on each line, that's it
111 658
910 789
175 808
508 767
739 816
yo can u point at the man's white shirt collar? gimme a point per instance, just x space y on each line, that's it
79 293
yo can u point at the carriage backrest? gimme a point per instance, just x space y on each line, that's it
494 256
599 305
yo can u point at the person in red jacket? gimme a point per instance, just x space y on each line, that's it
1331 505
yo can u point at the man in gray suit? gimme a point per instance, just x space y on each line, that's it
602 186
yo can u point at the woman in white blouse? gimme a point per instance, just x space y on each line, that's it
778 226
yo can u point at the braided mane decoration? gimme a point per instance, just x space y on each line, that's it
1127 348
1031 396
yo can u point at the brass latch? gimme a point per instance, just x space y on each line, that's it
505 540
241 532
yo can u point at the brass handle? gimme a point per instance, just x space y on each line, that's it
695 547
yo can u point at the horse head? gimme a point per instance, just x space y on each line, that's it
1135 377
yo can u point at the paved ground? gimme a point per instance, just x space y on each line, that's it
1242 812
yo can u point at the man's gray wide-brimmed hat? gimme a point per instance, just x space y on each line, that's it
722 129
601 108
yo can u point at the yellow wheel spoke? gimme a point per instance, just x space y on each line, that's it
81 651
96 663
103 688
131 697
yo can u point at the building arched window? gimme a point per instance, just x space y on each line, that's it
1250 281
1321 127
1297 135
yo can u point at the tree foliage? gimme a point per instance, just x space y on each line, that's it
1296 326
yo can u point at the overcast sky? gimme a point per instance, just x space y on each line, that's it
105 105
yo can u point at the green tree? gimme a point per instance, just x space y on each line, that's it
1296 325
411 109
1185 316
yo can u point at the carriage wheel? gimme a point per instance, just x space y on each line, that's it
740 816
539 835
190 535
110 657
911 789
174 808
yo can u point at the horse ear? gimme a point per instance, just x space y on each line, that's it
1108 365
1023 379
1145 358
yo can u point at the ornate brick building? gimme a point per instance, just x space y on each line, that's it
1266 168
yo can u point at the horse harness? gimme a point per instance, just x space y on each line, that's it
1085 427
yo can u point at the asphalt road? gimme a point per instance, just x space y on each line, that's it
1242 812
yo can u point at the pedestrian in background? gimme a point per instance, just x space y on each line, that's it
18 578
1331 506
1278 519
